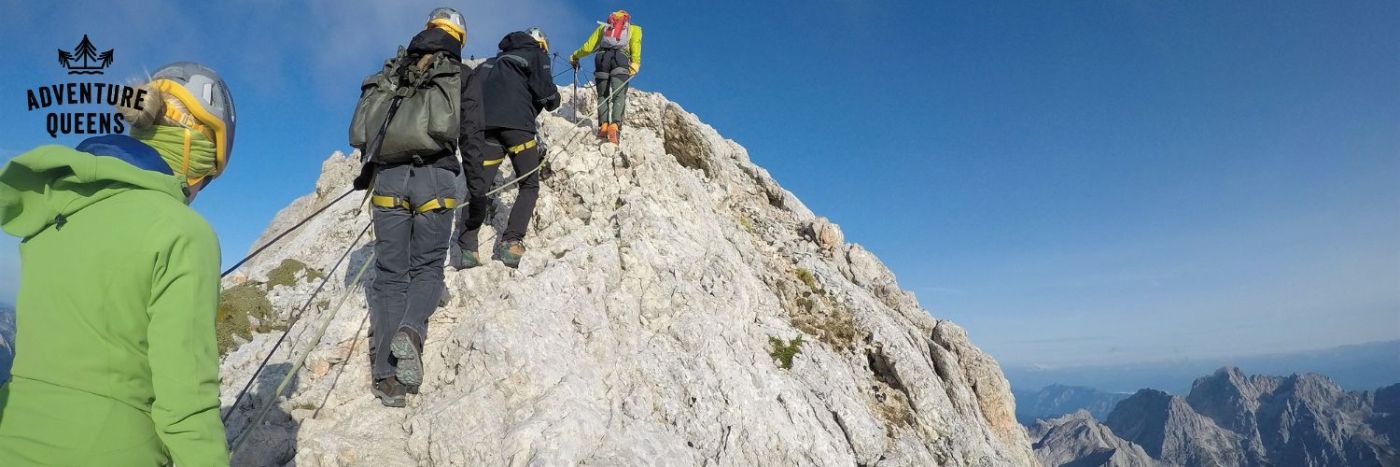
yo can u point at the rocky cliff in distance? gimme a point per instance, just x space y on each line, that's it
1230 419
1078 439
665 281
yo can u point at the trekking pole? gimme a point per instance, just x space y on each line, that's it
297 317
301 361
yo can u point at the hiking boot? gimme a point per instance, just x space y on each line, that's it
510 252
407 346
390 392
613 133
467 260
603 130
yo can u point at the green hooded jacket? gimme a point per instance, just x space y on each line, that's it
115 355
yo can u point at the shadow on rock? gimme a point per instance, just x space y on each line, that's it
273 441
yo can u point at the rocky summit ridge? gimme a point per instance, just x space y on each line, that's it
676 307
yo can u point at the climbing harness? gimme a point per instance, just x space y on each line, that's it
511 151
545 157
395 202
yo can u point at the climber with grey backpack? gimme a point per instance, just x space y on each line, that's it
617 56
413 117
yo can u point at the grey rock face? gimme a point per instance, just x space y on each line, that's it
640 329
1170 430
1077 440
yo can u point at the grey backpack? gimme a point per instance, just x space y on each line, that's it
622 42
429 89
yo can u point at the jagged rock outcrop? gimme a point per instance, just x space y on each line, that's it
1237 420
1078 440
1169 429
639 330
1304 420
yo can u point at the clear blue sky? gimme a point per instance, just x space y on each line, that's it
1074 182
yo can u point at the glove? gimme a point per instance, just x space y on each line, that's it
573 62
366 176
635 67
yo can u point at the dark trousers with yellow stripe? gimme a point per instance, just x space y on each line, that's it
524 156
412 225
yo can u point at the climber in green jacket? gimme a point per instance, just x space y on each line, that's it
115 356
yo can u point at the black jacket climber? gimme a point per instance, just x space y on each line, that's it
517 80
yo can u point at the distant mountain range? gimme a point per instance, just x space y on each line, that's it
7 335
1354 367
1231 419
1057 400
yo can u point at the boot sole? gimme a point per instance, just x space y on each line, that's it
410 368
387 400
468 264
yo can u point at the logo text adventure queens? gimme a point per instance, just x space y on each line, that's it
85 60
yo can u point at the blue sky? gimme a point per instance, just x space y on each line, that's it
1074 182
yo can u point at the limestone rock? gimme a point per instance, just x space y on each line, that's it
640 329
1079 440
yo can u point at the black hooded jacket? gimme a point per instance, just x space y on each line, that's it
518 84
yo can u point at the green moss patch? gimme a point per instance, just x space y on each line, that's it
783 352
286 273
236 305
807 278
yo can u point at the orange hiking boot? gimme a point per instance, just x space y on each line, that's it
612 133
603 130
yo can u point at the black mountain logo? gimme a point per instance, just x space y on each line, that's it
84 60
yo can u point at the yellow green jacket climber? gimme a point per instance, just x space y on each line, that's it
634 45
115 355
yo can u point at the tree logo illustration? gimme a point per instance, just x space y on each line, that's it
84 59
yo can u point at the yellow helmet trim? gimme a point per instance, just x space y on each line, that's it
451 28
197 119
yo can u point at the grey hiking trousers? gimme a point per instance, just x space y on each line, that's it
412 225
611 111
